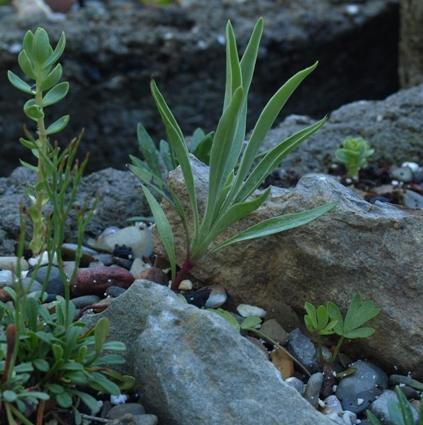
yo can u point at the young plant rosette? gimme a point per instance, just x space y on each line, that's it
233 178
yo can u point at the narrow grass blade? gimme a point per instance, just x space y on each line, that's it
265 122
272 159
276 225
149 151
177 143
164 229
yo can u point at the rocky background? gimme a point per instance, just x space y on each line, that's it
115 47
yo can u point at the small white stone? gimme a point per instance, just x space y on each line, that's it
118 399
246 310
352 9
414 167
186 285
221 40
201 44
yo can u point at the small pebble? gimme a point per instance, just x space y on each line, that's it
55 285
122 409
360 389
85 300
312 389
406 380
114 291
402 174
96 281
303 350
10 263
380 408
137 266
217 296
411 199
295 383
154 274
275 331
6 278
186 285
246 310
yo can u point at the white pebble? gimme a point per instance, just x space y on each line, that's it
414 167
118 399
246 310
186 285
352 9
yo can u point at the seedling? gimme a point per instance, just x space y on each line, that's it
354 154
358 313
232 178
317 322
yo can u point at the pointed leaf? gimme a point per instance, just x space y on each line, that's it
56 94
164 229
359 333
40 46
148 149
52 78
335 314
33 110
60 47
250 322
101 331
58 125
277 225
26 65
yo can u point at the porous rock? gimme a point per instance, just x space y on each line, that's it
374 250
191 366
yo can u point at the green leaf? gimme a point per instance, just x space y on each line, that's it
52 78
372 418
202 150
276 225
29 166
19 83
30 144
114 346
359 313
109 359
164 229
56 94
26 65
101 383
196 139
90 401
165 153
23 367
148 149
177 143
10 396
27 45
41 365
33 110
31 311
101 331
359 333
58 125
60 47
250 322
64 400
40 46
335 314
57 351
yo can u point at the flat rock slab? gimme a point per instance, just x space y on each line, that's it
374 250
193 367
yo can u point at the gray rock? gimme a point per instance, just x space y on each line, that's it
55 284
184 47
303 350
191 366
85 300
313 388
392 127
275 331
357 247
129 419
360 389
122 409
380 408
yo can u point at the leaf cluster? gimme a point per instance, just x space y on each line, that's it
329 320
354 154
400 411
232 178
53 358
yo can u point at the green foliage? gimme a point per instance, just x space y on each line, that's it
36 60
354 154
231 180
357 315
200 147
44 354
329 320
400 411
318 322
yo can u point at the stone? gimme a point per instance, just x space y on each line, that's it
357 391
303 350
357 247
129 419
154 274
313 388
122 409
214 375
379 408
192 40
247 310
85 300
95 281
275 331
55 285
10 263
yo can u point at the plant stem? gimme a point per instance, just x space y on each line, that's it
335 353
186 267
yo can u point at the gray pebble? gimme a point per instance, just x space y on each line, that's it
411 199
55 284
31 285
313 388
406 380
380 408
122 409
85 300
6 278
402 174
303 350
295 383
275 331
360 389
114 291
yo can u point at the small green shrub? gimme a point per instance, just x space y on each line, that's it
354 154
232 179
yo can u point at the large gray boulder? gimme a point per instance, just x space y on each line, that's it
193 367
116 46
374 250
393 127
